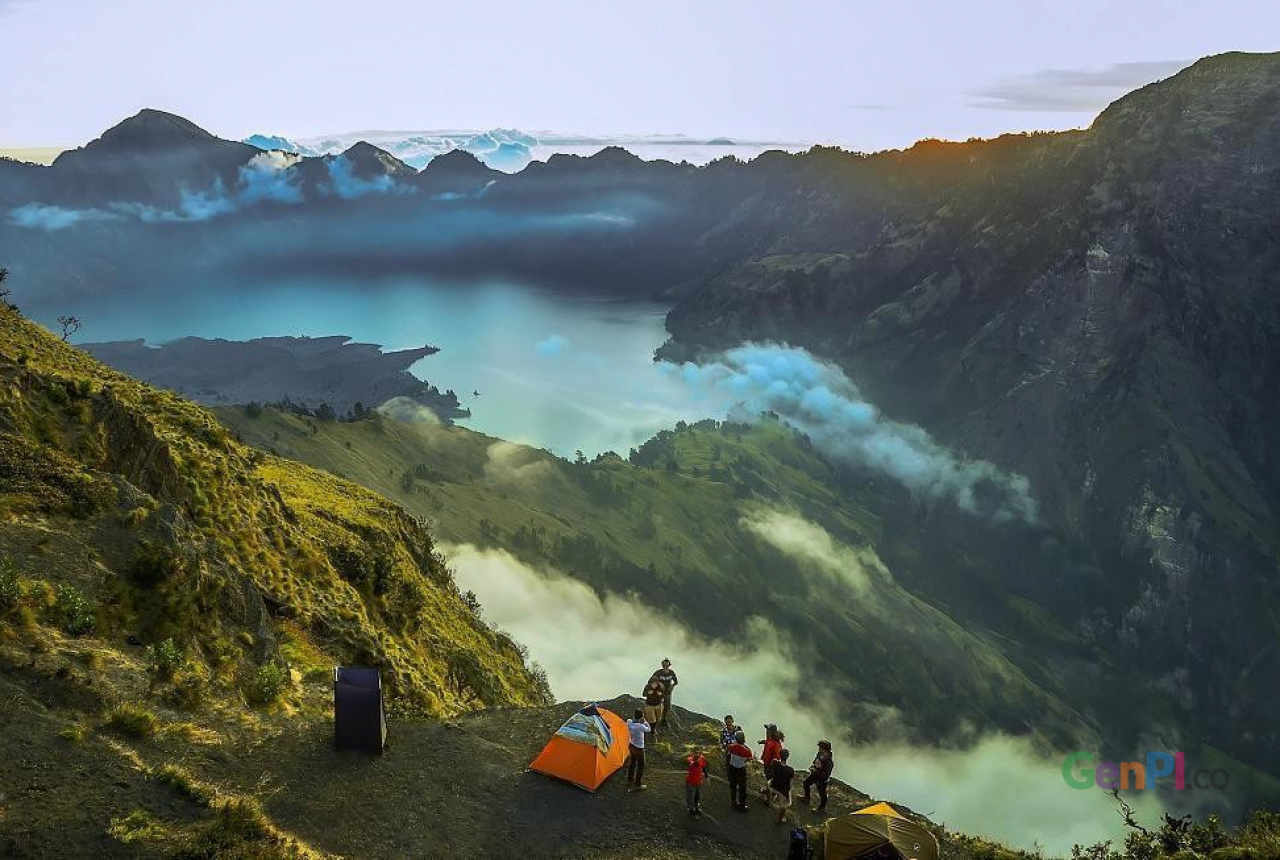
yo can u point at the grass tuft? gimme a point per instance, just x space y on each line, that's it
132 720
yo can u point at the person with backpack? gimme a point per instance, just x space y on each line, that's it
739 754
693 779
819 774
637 728
654 696
780 784
666 676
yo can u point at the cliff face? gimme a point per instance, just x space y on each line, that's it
1097 310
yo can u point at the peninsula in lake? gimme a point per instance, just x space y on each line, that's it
308 372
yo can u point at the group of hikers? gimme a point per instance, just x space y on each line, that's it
779 775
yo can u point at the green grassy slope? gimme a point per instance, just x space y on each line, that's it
690 531
170 598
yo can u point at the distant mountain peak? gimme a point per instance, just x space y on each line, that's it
457 161
152 123
615 155
369 159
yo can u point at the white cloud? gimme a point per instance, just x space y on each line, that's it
813 545
266 178
344 183
408 410
41 216
597 647
818 399
1074 90
552 345
509 463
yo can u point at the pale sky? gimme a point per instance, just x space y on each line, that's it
866 74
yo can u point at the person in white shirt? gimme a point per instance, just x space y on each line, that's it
637 728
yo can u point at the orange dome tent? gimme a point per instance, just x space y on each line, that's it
586 750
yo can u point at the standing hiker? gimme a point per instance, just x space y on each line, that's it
667 678
739 754
780 784
728 733
693 781
819 773
654 696
637 728
772 747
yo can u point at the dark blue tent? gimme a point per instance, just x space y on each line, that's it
359 722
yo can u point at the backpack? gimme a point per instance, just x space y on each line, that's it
800 849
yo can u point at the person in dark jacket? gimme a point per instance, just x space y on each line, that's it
819 774
666 676
654 696
780 784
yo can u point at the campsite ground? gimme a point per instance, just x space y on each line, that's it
461 789
155 782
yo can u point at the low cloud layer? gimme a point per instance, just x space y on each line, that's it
266 178
1074 90
343 181
506 149
813 545
818 399
408 410
510 464
40 216
597 647
192 206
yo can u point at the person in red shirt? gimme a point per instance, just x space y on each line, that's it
739 754
769 755
693 780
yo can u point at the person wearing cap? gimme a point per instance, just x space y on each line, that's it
819 774
667 677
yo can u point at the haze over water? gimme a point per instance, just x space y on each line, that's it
561 372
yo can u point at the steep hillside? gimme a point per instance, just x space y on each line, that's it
713 510
167 593
1097 311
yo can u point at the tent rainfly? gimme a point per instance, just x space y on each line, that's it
878 830
359 722
586 750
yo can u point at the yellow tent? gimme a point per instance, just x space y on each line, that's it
877 827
